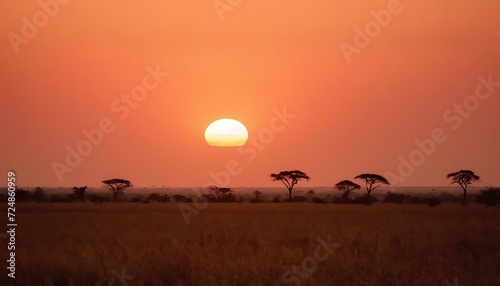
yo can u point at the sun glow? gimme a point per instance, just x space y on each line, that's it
226 133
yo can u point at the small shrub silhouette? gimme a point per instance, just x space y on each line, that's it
228 198
79 192
69 198
365 200
489 196
421 200
277 199
416 200
257 198
39 195
137 199
181 199
318 200
158 198
432 201
395 198
343 200
99 199
207 197
299 199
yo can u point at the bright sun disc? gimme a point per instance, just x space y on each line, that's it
226 133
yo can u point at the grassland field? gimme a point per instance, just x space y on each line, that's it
254 244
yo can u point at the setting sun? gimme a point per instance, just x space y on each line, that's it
226 133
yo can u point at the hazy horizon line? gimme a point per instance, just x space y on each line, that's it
253 187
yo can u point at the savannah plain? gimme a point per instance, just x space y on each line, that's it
255 244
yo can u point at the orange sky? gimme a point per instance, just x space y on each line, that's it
350 116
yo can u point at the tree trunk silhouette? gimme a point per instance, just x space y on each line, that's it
289 179
117 186
463 178
465 195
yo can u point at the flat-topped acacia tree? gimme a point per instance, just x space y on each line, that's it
346 187
290 179
220 194
464 178
117 186
372 181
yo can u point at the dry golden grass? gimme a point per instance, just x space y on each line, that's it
254 244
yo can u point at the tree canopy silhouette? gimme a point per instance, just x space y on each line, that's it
80 192
290 179
347 187
257 195
220 194
117 186
371 181
464 178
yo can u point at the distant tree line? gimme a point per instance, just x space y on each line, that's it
488 196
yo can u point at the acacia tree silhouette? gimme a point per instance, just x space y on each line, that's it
219 193
214 190
464 178
347 187
290 179
371 180
117 186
